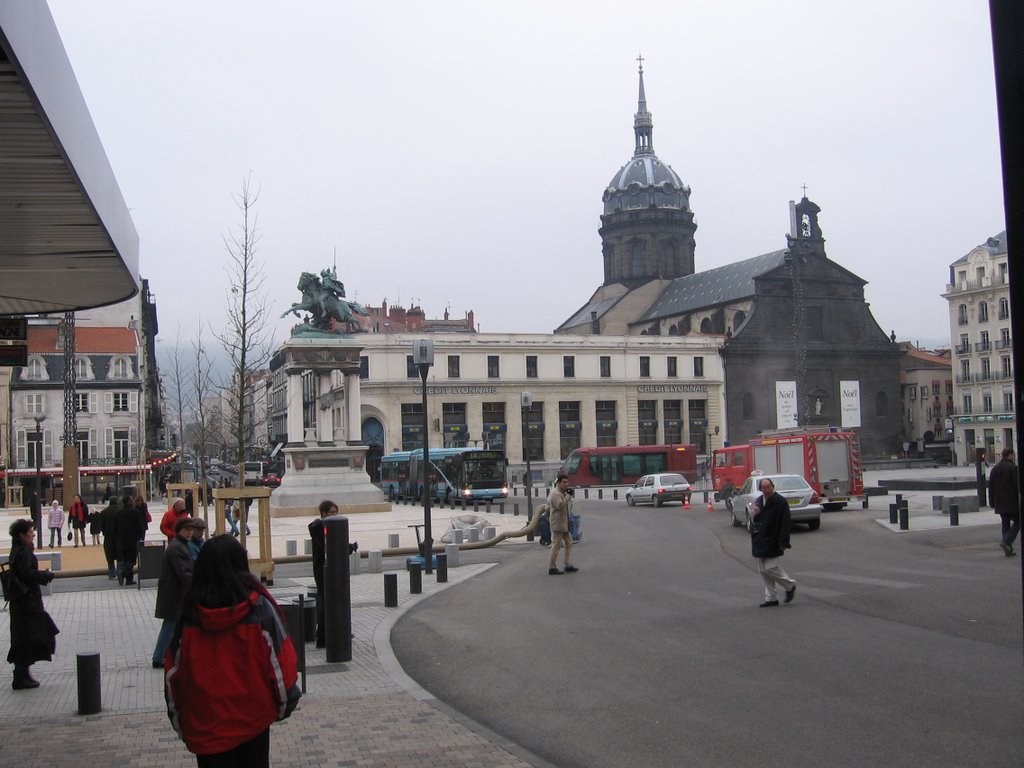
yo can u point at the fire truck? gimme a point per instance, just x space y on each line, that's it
828 459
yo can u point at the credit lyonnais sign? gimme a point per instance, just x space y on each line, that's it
672 388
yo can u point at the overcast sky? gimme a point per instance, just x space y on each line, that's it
454 154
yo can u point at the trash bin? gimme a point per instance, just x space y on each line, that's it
151 559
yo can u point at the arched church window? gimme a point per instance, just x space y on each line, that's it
738 318
705 325
670 257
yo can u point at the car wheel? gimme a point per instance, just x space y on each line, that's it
629 500
814 525
657 501
735 523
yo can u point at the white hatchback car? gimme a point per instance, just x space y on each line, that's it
803 501
659 488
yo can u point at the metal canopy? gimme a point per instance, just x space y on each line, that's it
67 241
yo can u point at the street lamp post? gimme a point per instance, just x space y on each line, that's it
526 400
423 358
37 512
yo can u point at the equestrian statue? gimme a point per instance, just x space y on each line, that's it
323 297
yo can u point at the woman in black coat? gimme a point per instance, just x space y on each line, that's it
33 633
129 529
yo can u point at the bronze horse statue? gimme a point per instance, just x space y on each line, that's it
325 305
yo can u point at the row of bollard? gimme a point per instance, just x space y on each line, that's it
899 513
415 579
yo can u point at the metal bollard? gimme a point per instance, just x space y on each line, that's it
391 590
600 493
954 514
451 555
337 592
904 517
894 510
864 502
89 700
441 572
899 499
515 509
615 494
501 507
586 493
415 579
392 541
487 509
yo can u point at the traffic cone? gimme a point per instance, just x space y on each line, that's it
710 507
687 504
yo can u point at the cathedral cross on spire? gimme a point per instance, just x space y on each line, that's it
640 58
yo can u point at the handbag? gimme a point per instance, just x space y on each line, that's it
69 536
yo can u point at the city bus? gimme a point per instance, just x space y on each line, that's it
829 460
625 464
456 473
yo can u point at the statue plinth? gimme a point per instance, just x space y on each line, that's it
316 466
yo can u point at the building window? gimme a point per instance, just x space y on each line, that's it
1004 308
412 426
568 367
411 371
84 445
35 446
364 367
81 368
965 370
121 446
698 415
698 367
35 370
454 367
673 412
912 392
121 402
961 314
647 416
1007 367
531 366
1008 400
81 403
453 418
984 344
645 367
986 369
924 392
568 427
749 406
982 312
534 445
493 367
34 404
121 368
606 366
604 411
494 425
965 345
968 404
815 324
1004 338
671 364
986 402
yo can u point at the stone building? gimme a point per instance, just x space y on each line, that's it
926 384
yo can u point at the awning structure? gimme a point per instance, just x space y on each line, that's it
67 241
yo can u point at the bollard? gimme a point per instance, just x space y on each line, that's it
893 513
415 579
600 493
308 548
474 534
515 509
391 590
457 535
899 499
904 517
89 702
441 572
487 509
463 505
392 541
337 591
615 494
489 533
353 563
501 507
954 514
451 555
476 507
291 548
864 502
586 493
375 561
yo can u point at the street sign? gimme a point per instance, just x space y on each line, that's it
13 354
13 329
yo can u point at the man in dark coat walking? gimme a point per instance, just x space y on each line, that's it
770 540
108 527
129 529
1004 498
175 577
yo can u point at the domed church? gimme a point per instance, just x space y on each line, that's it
790 320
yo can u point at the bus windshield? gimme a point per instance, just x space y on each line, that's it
484 469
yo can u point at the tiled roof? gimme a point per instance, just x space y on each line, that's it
996 247
583 315
714 286
42 339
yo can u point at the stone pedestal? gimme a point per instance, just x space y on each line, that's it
316 466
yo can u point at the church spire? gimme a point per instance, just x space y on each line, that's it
643 125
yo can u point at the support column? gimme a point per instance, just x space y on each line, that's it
324 416
353 409
294 407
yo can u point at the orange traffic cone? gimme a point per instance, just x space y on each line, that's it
710 507
686 505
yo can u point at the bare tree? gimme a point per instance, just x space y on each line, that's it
206 426
247 334
179 394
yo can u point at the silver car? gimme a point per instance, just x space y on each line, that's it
803 500
658 488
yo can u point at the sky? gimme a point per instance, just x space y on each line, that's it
454 154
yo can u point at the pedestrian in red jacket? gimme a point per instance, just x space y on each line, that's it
231 666
171 516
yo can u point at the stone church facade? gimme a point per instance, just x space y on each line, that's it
790 315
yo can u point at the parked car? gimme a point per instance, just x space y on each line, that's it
659 488
271 480
804 506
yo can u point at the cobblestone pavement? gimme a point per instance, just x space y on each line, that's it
364 712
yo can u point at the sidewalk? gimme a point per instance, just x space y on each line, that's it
365 712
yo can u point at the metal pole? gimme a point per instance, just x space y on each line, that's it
428 540
528 480
337 590
37 513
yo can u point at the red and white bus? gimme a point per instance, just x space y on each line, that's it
625 464
828 460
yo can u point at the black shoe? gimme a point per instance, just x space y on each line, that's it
24 684
554 572
571 569
769 604
120 579
129 582
158 665
1007 549
790 593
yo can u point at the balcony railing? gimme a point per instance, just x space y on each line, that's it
983 346
963 349
961 286
1004 343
